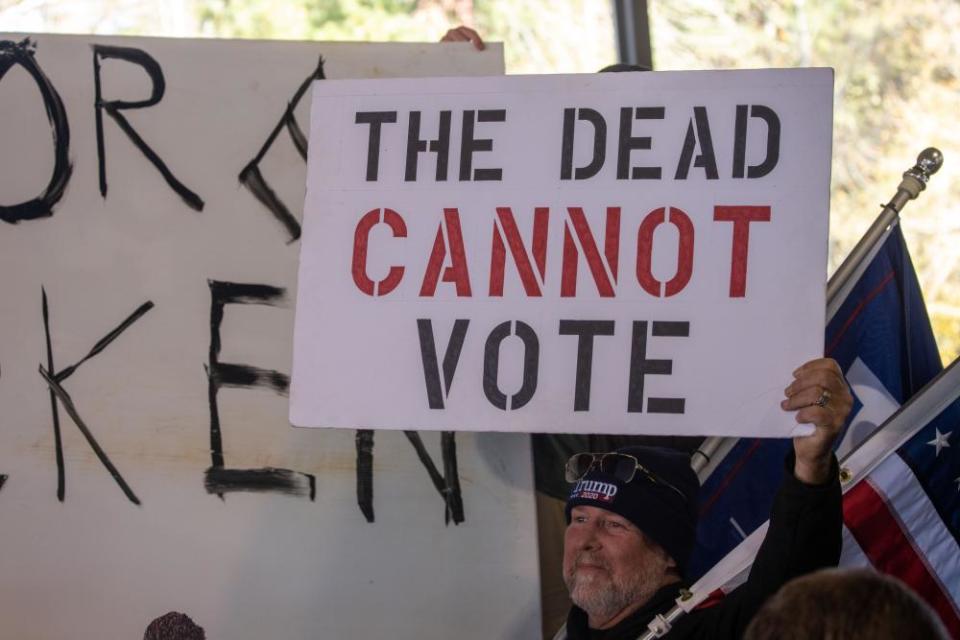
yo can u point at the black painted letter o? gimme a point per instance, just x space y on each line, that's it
22 53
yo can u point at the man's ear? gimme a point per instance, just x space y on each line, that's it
671 564
668 559
671 569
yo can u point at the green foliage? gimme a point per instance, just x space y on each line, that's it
897 70
543 36
375 20
897 84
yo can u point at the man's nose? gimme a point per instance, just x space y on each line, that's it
591 536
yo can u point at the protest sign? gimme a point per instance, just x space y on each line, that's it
150 199
629 253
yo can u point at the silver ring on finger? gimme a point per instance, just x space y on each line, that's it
824 399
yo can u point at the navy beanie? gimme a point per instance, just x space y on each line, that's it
663 515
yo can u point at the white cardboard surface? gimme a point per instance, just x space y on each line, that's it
359 355
250 565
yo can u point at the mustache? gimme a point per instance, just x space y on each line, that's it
591 559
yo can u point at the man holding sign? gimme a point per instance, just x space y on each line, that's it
606 253
632 518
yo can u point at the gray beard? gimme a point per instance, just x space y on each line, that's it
602 596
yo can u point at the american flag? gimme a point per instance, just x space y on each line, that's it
903 518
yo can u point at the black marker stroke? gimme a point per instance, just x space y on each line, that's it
102 344
71 410
54 381
364 443
453 497
54 410
243 375
224 374
252 178
22 53
114 107
449 483
266 480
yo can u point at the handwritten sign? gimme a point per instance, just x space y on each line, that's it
632 253
150 206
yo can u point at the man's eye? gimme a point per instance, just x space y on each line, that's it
614 525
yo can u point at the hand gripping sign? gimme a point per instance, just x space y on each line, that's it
631 253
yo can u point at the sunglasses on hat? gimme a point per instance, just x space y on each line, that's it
621 466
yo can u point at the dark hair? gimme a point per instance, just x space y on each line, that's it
624 66
174 626
847 604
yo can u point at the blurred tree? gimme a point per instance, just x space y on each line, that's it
897 84
540 33
897 76
541 36
324 19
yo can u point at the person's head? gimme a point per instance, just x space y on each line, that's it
851 604
631 525
621 67
174 626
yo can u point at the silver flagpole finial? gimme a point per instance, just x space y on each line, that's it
916 177
928 163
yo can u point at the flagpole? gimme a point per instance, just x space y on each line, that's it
926 404
906 422
914 181
713 450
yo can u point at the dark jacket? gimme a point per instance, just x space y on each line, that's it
804 535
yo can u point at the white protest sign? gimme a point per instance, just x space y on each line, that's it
633 253
180 321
